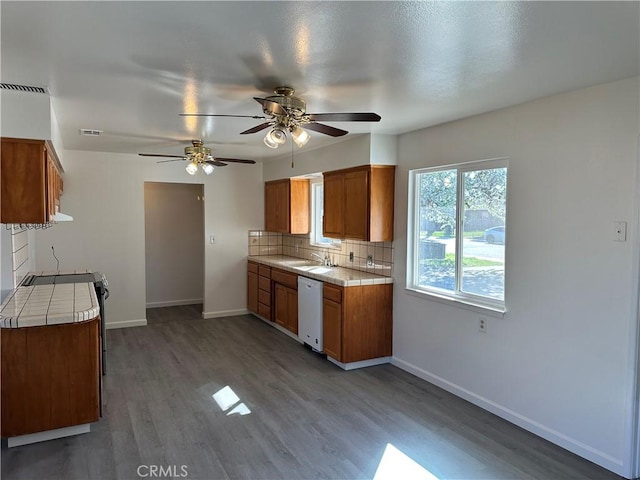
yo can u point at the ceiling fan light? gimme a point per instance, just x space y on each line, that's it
278 135
207 168
300 136
268 141
192 168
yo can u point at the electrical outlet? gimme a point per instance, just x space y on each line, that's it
482 325
619 231
351 257
369 260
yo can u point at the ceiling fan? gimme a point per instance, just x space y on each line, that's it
198 156
286 112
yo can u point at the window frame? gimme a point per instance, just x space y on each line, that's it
316 218
479 303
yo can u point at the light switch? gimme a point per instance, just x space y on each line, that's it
212 239
619 231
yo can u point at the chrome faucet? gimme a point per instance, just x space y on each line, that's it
320 259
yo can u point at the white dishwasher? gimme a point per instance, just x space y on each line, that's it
310 312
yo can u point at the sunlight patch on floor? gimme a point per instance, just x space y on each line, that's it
394 465
227 398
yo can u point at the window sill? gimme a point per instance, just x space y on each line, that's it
326 245
493 311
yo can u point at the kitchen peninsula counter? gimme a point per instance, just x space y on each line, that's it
42 305
50 362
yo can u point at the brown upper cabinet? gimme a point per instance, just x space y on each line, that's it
286 206
358 203
31 181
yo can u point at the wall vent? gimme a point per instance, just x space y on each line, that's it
23 88
90 132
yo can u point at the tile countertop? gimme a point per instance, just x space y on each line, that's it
344 277
41 305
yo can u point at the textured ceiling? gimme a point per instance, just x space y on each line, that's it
129 68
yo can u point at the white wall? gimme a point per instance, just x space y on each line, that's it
559 362
105 195
351 152
25 115
174 243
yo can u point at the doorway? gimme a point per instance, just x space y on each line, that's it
174 243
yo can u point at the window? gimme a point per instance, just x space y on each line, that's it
457 236
317 212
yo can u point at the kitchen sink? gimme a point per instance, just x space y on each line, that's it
315 268
300 263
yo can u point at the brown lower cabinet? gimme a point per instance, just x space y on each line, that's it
50 377
357 322
252 287
285 299
259 289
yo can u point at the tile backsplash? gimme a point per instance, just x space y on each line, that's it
268 243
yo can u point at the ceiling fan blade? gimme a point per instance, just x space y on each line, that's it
172 160
235 160
160 155
262 126
219 115
216 163
345 117
326 129
271 107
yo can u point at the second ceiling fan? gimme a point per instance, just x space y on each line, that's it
285 112
198 156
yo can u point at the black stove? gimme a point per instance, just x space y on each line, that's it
62 278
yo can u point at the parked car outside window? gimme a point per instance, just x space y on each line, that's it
494 235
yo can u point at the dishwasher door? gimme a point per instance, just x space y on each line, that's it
310 312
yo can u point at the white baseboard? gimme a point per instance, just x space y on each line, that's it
225 313
174 303
126 324
571 444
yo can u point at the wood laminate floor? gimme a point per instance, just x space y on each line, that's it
304 418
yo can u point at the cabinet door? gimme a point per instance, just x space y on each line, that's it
252 292
281 309
276 206
282 207
299 199
292 310
51 186
23 189
356 207
50 377
333 221
270 206
332 328
53 182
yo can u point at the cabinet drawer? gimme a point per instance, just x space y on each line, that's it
332 293
264 284
264 297
252 267
264 311
264 271
285 278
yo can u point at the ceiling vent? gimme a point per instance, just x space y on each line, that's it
90 132
23 88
